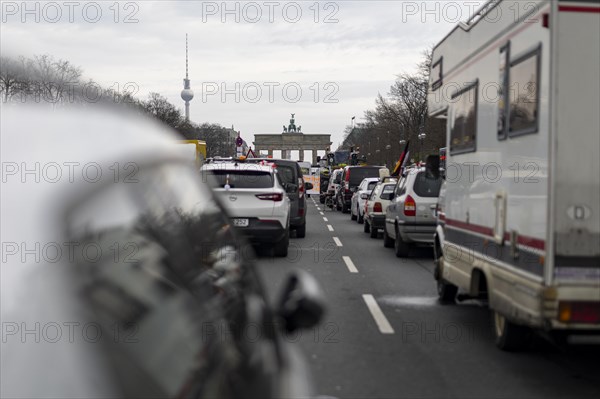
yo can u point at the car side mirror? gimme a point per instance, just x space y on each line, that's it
354 189
302 303
291 188
308 186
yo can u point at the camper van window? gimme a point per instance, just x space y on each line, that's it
503 91
524 94
463 131
436 74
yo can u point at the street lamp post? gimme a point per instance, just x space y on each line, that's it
421 137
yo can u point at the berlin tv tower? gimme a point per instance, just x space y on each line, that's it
186 94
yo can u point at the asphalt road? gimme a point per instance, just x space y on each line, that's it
386 336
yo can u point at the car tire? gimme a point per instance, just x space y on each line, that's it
344 207
366 227
321 199
360 219
353 216
301 230
509 336
374 232
401 247
388 241
280 249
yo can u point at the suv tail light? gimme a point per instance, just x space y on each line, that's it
410 207
270 197
300 187
378 208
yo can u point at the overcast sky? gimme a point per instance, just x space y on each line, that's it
340 54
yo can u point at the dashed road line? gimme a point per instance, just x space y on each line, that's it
337 242
350 264
330 227
325 219
382 322
321 213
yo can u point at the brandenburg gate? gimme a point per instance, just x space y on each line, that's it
292 139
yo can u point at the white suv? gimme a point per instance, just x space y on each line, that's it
256 201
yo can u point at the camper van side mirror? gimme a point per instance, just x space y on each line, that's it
432 166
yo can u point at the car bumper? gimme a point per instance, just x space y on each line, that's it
297 221
419 233
261 231
376 221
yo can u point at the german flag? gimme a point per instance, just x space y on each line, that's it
401 161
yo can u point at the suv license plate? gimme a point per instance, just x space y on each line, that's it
240 222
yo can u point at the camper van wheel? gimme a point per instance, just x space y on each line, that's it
446 291
509 336
401 247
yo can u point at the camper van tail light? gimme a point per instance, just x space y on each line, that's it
377 207
546 20
300 187
410 207
579 312
270 197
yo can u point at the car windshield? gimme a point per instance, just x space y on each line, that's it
426 186
242 178
371 185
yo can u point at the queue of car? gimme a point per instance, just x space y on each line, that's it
403 208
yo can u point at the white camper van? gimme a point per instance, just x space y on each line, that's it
519 86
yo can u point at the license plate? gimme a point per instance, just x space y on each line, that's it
240 222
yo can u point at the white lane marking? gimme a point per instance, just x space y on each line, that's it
325 220
337 242
321 213
318 209
330 227
350 264
382 322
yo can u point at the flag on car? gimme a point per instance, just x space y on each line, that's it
401 161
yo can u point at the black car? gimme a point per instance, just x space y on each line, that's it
290 174
146 289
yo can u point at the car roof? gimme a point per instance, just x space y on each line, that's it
239 166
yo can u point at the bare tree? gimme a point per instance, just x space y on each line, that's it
162 109
12 77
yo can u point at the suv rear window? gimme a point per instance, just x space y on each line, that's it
243 178
358 174
426 186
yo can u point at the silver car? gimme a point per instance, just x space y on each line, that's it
410 217
360 196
